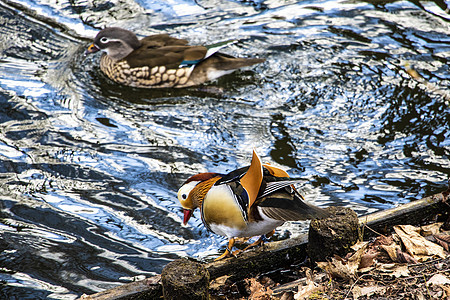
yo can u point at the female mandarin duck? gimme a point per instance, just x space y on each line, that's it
160 61
247 202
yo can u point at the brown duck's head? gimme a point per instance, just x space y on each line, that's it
193 191
118 43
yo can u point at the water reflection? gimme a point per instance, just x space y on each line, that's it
90 169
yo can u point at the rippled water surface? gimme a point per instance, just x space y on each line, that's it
89 170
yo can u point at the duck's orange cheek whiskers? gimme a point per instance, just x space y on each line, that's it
187 215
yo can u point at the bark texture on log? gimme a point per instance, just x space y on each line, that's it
333 235
149 288
184 279
270 256
413 213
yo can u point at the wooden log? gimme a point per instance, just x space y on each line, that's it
270 256
149 288
413 213
184 279
333 235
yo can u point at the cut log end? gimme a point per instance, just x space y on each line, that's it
185 279
333 235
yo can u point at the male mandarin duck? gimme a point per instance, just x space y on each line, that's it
247 202
161 61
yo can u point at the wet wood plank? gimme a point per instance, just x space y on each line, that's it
149 288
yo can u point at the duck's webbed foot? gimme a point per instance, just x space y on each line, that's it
228 251
260 242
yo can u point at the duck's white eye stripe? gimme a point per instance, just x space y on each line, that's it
106 40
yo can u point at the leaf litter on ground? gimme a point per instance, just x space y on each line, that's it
413 262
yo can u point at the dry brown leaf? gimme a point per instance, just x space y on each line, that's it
443 240
438 279
401 270
367 259
431 229
287 296
218 282
446 290
304 292
365 270
356 292
391 250
257 290
387 266
420 296
355 259
337 267
403 257
358 246
367 291
416 245
395 270
383 240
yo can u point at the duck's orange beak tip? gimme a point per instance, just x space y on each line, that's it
187 215
91 49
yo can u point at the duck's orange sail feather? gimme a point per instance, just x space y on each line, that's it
252 180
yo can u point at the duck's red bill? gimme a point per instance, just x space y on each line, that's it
187 215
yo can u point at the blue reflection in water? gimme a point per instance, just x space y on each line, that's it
90 169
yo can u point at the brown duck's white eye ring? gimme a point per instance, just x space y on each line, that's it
184 196
104 40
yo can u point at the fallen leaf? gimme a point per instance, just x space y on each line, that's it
356 292
431 229
304 292
334 268
355 259
383 240
358 246
366 270
287 296
367 291
391 250
337 267
416 245
443 240
367 259
420 296
438 279
395 270
446 290
388 266
401 270
218 282
257 290
403 257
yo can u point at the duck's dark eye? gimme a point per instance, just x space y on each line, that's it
104 40
184 196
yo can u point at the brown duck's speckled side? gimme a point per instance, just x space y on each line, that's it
145 76
161 61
